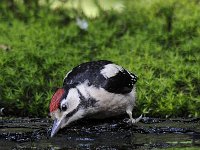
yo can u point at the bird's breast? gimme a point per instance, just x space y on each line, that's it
104 104
108 104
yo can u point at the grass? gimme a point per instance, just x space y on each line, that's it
159 42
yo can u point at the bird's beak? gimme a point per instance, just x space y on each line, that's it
56 127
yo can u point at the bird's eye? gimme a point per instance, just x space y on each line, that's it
64 107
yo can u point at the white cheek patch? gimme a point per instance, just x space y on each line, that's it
110 70
72 101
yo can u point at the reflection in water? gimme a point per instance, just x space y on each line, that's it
102 134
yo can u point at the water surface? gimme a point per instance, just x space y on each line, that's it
150 133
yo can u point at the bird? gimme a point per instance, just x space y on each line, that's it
96 89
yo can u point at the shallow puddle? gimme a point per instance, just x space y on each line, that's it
150 133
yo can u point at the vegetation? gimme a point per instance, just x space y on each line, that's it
157 40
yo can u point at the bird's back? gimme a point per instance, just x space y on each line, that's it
86 71
104 74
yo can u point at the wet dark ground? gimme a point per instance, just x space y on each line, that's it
150 133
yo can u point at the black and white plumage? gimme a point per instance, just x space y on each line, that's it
97 89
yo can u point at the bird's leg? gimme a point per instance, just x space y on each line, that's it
132 120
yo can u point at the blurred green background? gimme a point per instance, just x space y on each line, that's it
41 40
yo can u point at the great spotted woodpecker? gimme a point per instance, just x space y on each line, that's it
97 89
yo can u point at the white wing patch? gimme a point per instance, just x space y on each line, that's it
110 70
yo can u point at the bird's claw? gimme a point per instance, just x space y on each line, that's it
133 121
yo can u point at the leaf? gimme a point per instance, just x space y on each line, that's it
89 8
107 5
72 4
56 5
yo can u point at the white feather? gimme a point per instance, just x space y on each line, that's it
110 70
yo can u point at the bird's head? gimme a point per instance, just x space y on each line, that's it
65 108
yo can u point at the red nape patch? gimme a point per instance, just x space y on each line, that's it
55 101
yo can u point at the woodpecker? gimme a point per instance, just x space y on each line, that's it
97 89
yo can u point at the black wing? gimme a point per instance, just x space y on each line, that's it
121 83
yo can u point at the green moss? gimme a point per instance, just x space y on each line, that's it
159 42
